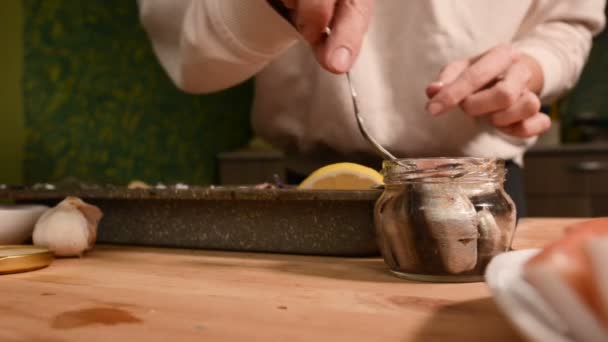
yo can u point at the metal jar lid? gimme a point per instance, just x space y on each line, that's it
17 258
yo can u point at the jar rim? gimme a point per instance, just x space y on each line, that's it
444 169
447 158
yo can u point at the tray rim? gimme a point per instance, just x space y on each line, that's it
244 193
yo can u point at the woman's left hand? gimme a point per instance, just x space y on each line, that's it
502 85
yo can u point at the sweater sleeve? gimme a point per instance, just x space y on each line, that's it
210 45
558 34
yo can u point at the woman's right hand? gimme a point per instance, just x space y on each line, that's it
348 20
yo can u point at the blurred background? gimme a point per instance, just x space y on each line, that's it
82 96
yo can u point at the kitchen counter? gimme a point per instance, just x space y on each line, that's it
145 294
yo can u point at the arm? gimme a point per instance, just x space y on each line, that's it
558 35
210 45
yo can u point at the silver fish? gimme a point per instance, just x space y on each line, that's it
490 237
396 233
452 222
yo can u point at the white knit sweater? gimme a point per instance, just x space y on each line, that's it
209 45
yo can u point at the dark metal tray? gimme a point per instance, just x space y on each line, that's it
292 221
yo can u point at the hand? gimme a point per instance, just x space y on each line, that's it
501 85
348 19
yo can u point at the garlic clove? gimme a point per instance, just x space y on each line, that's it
91 213
69 229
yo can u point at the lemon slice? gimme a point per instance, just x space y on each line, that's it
137 184
342 176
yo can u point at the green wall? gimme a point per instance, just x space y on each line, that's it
83 96
99 108
11 101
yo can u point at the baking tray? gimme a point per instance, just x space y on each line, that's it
314 222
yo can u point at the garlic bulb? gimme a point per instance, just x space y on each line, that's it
69 229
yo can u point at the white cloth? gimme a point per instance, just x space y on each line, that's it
209 45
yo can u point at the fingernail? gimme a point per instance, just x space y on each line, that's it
340 59
433 89
434 108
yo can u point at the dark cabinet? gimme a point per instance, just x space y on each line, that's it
567 181
250 167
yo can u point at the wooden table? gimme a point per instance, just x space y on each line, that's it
144 294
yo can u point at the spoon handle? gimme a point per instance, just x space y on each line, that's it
360 121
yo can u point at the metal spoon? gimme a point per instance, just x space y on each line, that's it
361 124
360 121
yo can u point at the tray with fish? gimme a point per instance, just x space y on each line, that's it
263 218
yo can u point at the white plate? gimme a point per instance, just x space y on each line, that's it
520 302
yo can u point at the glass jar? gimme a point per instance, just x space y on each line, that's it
443 219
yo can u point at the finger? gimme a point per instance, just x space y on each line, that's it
312 17
502 95
525 107
447 75
291 4
533 126
433 88
452 71
350 23
483 71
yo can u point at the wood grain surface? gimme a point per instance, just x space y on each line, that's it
142 294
